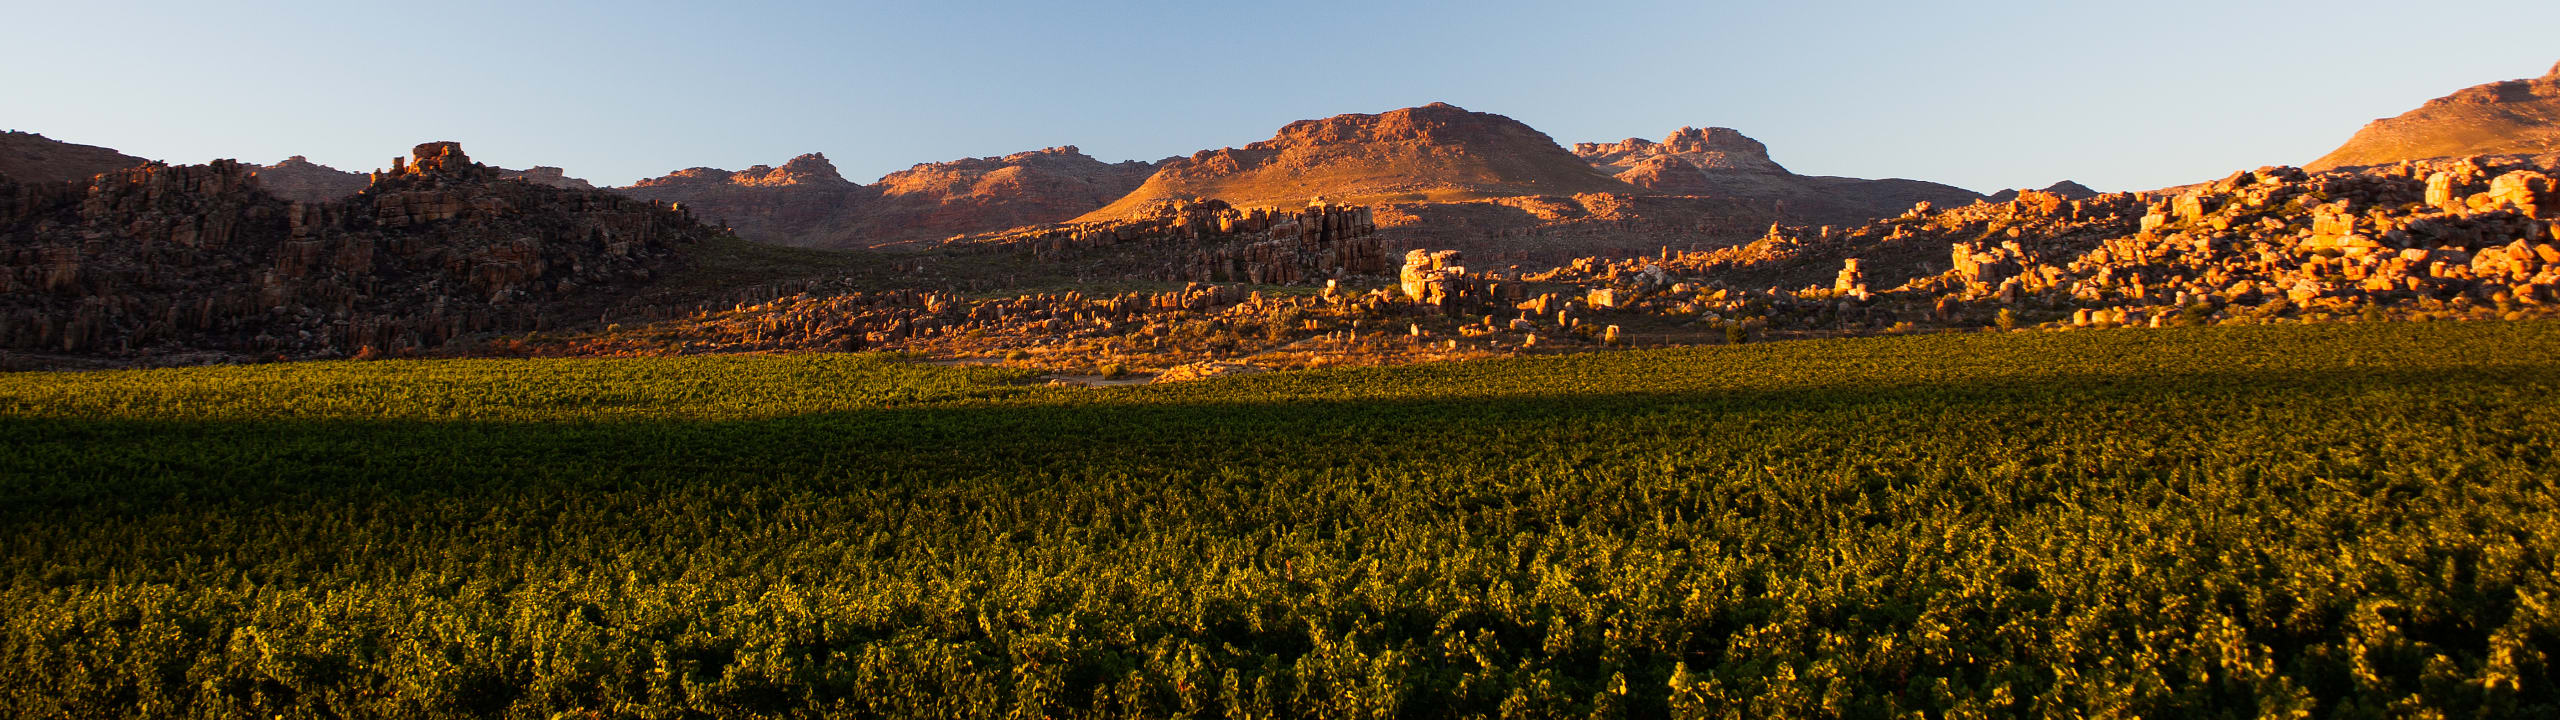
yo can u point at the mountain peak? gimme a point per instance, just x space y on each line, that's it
1714 148
807 169
1430 151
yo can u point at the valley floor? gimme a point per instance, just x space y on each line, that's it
2345 519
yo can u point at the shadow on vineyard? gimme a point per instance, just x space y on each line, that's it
2350 520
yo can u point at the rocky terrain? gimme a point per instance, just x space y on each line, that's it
1207 241
159 263
1723 163
806 202
939 200
2513 117
2467 239
1222 262
297 178
1436 152
29 157
2471 238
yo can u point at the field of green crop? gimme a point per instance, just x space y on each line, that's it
2356 520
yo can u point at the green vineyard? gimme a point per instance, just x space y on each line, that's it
2334 520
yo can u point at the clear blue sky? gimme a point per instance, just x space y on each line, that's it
1984 95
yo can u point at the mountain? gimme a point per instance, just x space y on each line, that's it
2515 117
157 262
29 157
1723 163
1429 153
806 202
1715 148
938 200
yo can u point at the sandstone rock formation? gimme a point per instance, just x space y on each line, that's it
1429 153
1723 163
29 157
805 202
1713 148
938 200
2514 117
2470 238
1207 241
156 260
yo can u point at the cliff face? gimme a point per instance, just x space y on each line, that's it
157 261
1724 164
29 157
1433 152
2515 117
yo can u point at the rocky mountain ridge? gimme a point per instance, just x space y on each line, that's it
807 202
2511 117
1433 152
1723 163
29 157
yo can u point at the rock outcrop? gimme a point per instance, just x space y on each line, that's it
1429 153
156 260
29 157
2472 238
1208 241
2514 117
1723 163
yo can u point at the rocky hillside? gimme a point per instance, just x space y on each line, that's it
1715 148
2470 239
2515 117
298 178
806 202
1429 153
939 200
160 263
29 157
1723 163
